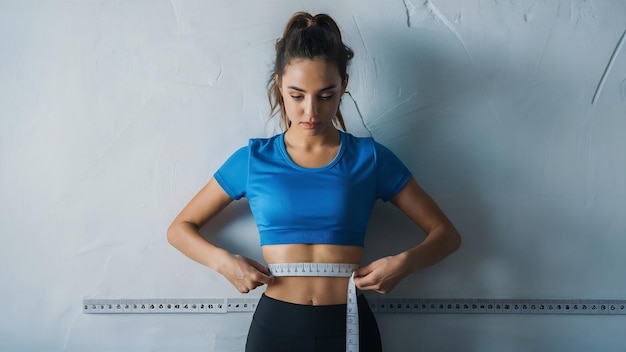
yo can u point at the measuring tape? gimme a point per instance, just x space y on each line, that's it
352 318
312 269
379 306
332 270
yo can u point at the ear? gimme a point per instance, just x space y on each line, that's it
344 84
277 83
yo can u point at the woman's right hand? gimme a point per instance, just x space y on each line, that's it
244 273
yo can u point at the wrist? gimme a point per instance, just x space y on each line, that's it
406 262
219 259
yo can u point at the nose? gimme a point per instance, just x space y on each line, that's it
311 108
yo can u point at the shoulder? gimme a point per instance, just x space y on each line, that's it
255 146
381 156
262 144
365 144
358 142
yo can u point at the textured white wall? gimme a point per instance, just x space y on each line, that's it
114 113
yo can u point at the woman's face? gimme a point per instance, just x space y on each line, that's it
311 91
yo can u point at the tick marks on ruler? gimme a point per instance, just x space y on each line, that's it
382 306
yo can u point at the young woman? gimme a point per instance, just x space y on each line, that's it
311 190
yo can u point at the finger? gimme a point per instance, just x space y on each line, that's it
263 279
242 288
258 266
248 286
258 278
367 282
363 271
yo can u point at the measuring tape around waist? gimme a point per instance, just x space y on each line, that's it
329 270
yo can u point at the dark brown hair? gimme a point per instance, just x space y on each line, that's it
308 37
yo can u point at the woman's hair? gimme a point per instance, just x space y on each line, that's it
307 37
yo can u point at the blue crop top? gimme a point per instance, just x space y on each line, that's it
327 205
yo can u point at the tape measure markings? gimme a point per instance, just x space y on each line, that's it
379 306
332 270
157 305
352 318
499 306
312 269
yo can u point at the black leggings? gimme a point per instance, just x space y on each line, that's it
281 326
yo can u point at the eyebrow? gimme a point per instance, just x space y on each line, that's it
304 91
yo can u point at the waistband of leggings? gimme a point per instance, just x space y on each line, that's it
302 319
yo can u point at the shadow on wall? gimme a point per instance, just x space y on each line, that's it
435 124
442 126
234 229
485 137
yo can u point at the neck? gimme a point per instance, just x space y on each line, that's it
330 136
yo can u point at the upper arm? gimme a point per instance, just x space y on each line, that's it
228 183
207 203
419 206
391 174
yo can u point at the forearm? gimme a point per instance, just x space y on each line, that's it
439 243
185 237
442 238
384 274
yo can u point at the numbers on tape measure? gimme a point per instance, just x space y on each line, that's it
381 305
312 269
211 305
501 306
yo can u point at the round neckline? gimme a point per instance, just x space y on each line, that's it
283 151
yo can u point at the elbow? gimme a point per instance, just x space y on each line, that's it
448 237
454 240
172 237
179 233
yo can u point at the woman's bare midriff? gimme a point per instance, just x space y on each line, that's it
310 290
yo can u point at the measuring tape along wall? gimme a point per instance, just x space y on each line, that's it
380 305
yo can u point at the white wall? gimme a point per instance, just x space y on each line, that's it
114 113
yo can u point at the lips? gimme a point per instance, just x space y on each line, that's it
310 125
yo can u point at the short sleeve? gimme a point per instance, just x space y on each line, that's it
391 174
233 174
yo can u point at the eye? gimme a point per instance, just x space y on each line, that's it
327 97
296 97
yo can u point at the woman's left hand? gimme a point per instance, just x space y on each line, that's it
381 275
